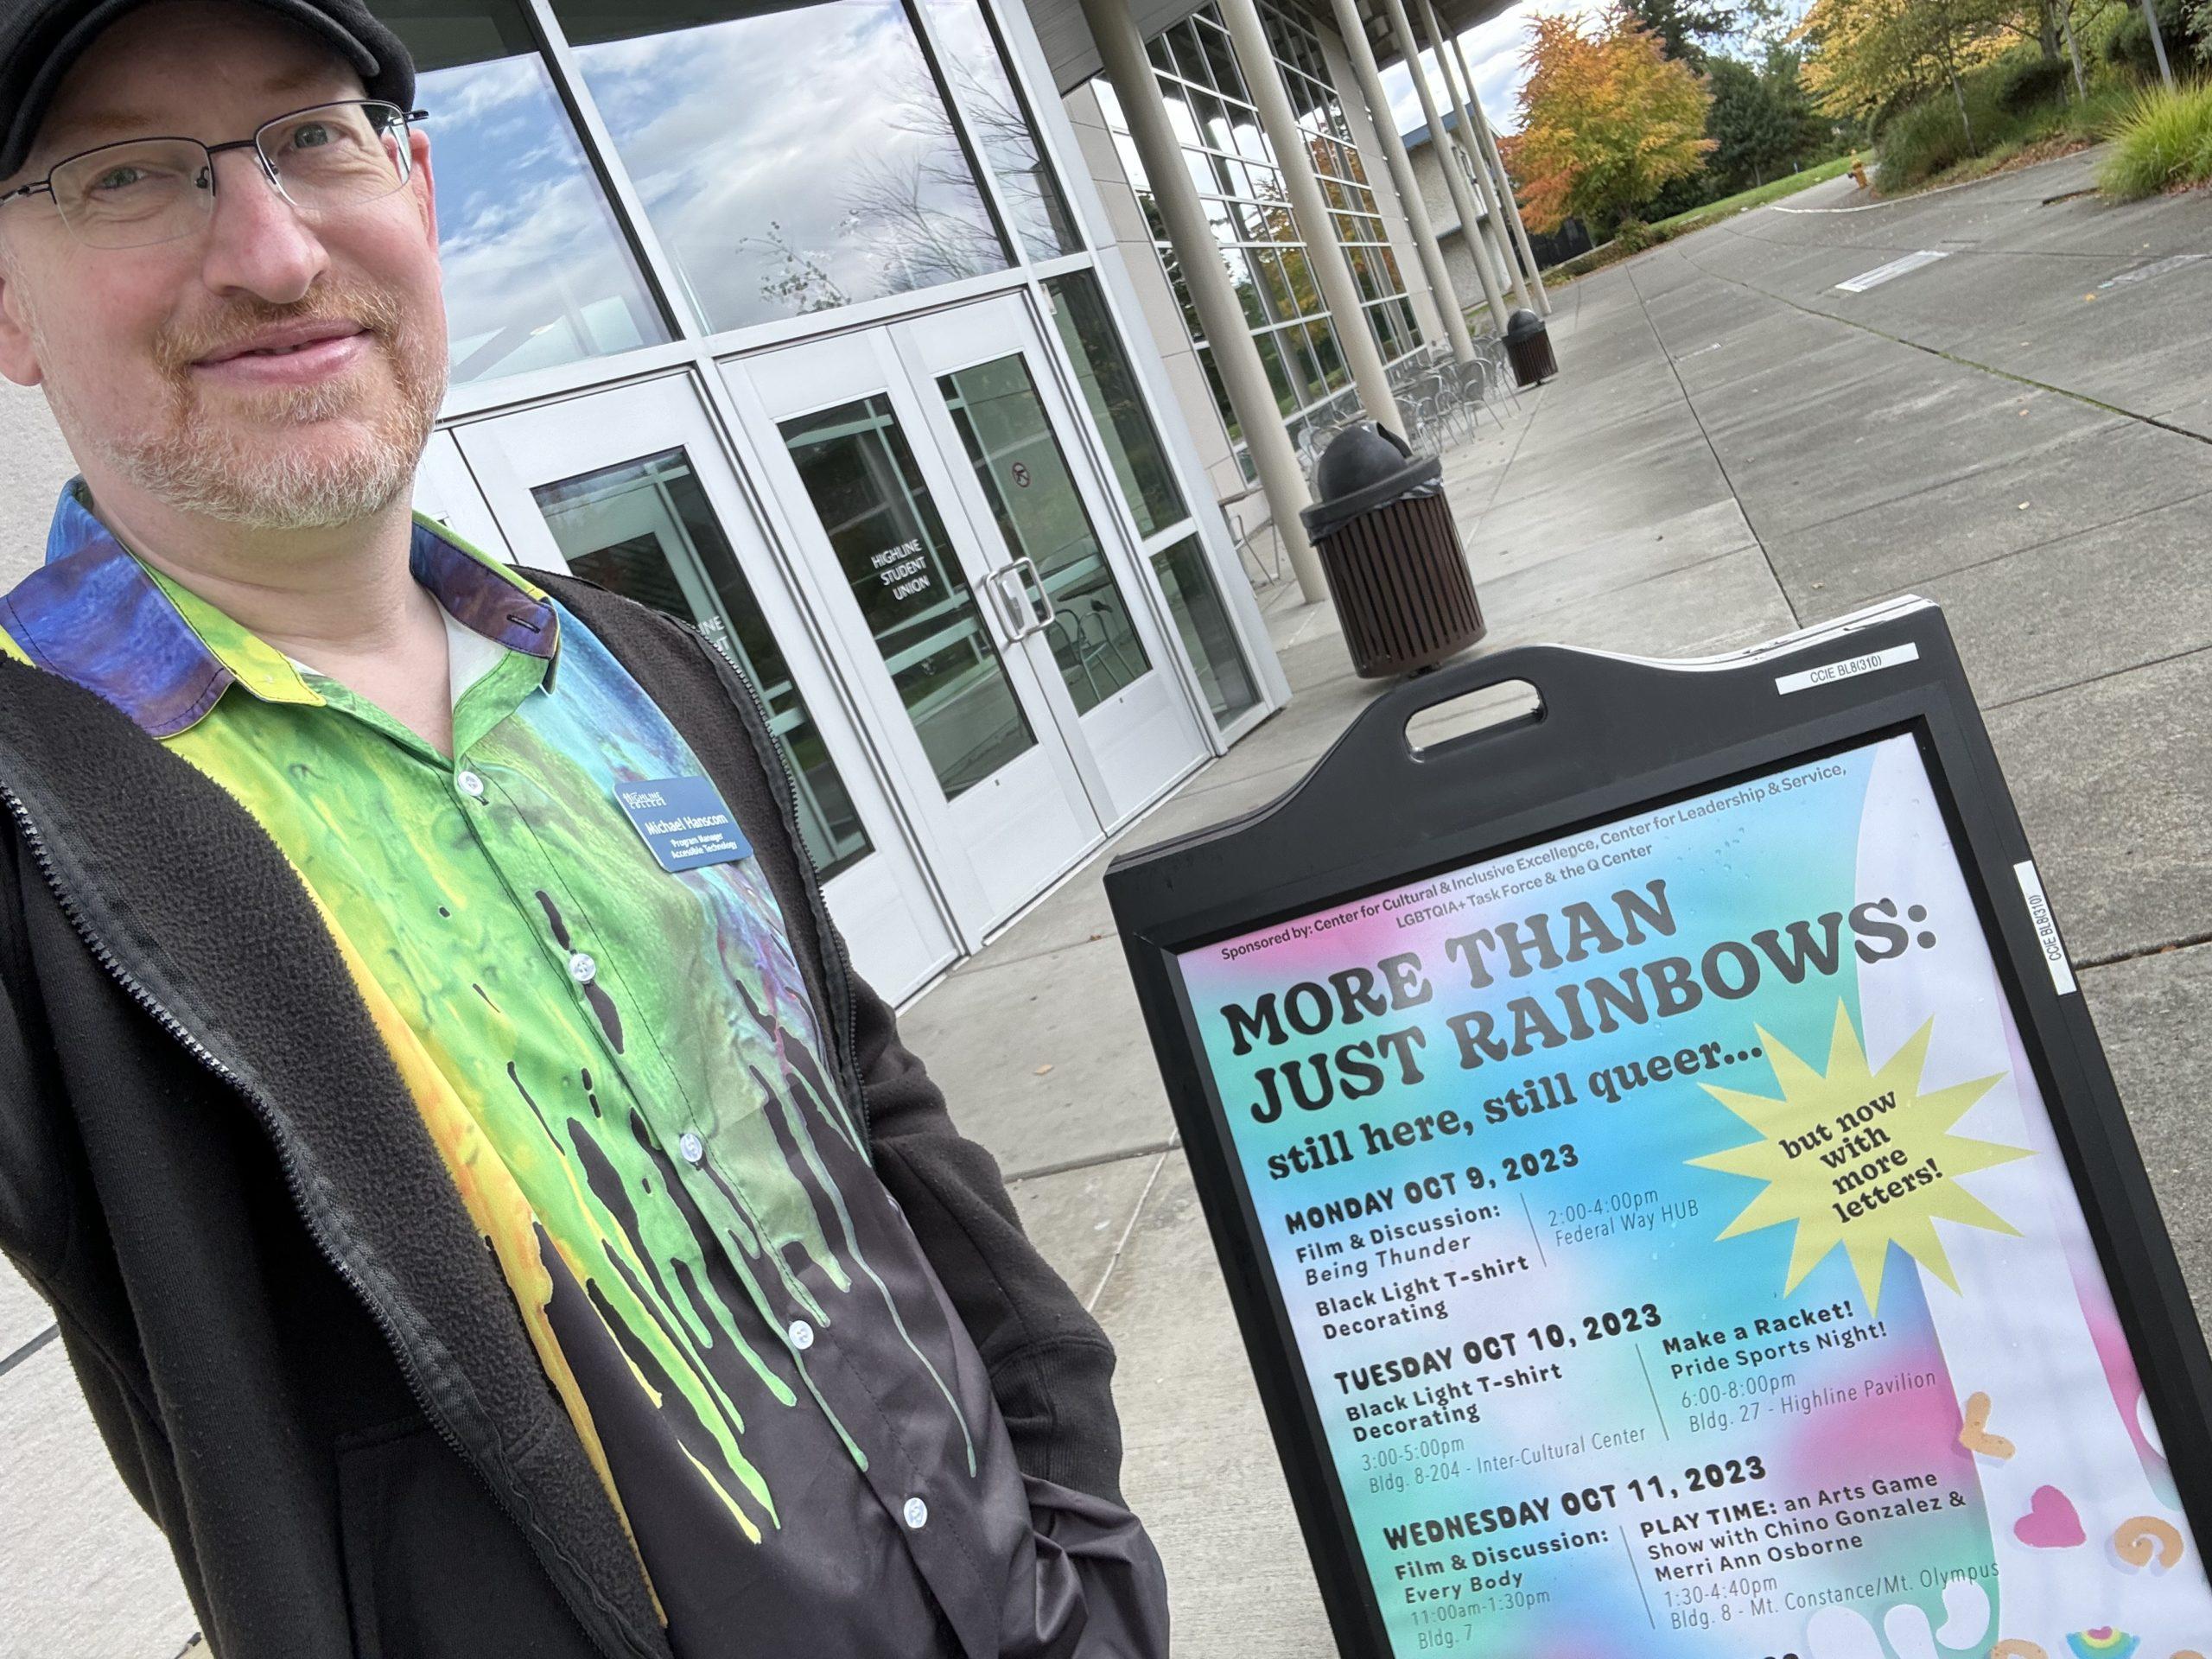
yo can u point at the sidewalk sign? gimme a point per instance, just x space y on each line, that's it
1672 1194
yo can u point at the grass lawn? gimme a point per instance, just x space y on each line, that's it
1788 185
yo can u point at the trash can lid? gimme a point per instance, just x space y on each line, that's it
1366 465
1522 324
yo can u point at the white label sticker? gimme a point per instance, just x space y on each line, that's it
1828 673
2054 953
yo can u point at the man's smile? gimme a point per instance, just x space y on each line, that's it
289 354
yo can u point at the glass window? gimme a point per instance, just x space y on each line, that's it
884 527
536 271
1240 278
1213 122
1039 512
791 160
1270 349
1323 339
1298 346
1117 406
983 91
1214 42
646 529
1274 288
1222 406
1305 296
1190 62
1209 639
1305 366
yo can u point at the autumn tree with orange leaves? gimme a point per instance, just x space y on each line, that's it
1606 119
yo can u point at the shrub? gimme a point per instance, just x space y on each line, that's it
2103 114
2164 139
1634 236
1923 139
2027 83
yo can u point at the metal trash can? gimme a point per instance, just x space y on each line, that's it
1528 348
1391 552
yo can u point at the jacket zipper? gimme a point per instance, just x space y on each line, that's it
36 840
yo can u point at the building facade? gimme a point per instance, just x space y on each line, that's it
852 332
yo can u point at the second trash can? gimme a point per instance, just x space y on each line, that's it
1391 552
1528 348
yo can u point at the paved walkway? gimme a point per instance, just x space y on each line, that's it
1734 448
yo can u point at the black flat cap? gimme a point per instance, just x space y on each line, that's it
40 38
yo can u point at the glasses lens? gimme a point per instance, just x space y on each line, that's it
128 195
337 156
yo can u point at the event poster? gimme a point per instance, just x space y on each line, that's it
1680 1255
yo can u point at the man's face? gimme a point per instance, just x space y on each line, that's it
141 350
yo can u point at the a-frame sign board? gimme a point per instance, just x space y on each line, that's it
1669 1185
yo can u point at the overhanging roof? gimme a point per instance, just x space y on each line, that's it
1068 48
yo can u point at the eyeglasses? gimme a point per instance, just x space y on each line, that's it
323 160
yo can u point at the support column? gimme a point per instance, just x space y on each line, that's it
1471 147
1236 358
1518 231
1370 75
1463 199
1324 251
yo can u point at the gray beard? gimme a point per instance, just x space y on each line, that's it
183 465
243 483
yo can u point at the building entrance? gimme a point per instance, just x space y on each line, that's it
632 488
971 675
992 609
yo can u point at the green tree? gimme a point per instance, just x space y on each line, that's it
1684 26
1814 135
1867 55
1752 135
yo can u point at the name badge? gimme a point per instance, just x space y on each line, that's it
683 822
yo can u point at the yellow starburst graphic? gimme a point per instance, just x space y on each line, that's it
1860 1158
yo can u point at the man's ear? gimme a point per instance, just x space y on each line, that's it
18 361
418 147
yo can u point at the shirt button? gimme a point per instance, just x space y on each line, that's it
582 968
693 1148
917 1513
802 1335
469 785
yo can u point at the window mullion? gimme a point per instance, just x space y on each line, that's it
971 145
687 316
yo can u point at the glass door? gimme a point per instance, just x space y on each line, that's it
632 489
931 632
1051 526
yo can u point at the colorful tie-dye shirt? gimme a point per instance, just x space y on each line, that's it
623 1072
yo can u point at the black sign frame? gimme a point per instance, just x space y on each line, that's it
1613 736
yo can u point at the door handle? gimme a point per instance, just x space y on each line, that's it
1034 615
1013 619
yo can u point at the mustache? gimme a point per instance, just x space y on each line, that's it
178 348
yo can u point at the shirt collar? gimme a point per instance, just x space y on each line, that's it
96 614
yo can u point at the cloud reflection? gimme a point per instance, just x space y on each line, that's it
536 272
795 160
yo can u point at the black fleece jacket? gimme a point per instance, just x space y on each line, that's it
303 1360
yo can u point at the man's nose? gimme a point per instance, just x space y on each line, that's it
259 243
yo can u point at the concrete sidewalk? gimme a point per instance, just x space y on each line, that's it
1733 449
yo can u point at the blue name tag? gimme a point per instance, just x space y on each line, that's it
683 822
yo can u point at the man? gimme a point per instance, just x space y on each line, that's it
484 1219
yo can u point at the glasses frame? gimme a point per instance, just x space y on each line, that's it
403 119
